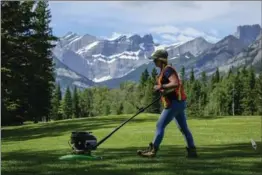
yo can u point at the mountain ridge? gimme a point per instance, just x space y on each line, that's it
103 60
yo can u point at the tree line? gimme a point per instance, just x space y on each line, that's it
234 93
27 68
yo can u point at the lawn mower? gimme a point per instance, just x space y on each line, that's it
83 142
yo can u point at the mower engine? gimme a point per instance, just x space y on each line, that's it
83 142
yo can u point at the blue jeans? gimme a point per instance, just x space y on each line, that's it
176 112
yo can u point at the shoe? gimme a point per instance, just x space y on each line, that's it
191 152
149 152
150 147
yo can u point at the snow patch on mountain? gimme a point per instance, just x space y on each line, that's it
142 46
111 61
75 39
102 79
127 73
102 60
126 55
68 35
98 56
88 47
113 58
116 37
66 73
173 58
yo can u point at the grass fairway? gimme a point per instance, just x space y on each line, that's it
223 145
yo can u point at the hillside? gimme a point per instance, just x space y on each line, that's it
68 78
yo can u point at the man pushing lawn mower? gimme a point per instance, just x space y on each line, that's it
174 102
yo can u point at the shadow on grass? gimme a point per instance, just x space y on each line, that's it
54 129
232 159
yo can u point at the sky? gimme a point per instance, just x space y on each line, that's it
168 21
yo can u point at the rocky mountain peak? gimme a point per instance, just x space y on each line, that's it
148 38
248 33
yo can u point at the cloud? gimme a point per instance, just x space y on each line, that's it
156 16
116 35
214 32
193 32
158 13
169 38
164 29
184 38
175 34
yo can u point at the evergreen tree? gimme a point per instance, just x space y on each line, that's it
148 98
16 30
67 104
252 92
183 76
259 94
217 76
217 105
56 100
230 93
120 109
192 76
230 72
204 78
144 77
101 101
60 110
156 106
142 87
106 102
85 103
244 91
215 79
248 92
59 93
194 100
97 99
75 102
154 75
238 95
43 77
204 91
26 65
10 22
190 90
116 106
130 97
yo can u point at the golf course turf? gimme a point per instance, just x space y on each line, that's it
223 145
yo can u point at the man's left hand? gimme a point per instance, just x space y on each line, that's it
157 87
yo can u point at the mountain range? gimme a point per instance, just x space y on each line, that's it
86 61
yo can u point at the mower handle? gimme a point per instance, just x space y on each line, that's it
140 111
